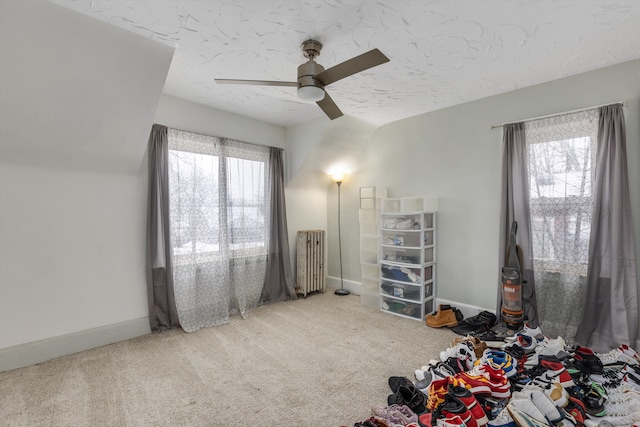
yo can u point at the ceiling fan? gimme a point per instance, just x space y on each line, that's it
312 77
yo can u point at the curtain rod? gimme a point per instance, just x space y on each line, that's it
558 114
220 137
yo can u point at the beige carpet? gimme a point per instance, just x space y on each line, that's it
320 361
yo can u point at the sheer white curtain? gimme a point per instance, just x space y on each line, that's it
219 210
561 153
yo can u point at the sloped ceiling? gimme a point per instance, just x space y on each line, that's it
443 52
75 93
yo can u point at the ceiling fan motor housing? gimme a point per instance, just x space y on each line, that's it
306 73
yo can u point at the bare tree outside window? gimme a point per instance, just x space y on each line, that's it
560 193
198 225
194 207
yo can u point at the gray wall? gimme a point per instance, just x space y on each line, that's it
454 154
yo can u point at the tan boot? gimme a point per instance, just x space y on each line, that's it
445 316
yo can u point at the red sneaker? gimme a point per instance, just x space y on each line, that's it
471 403
475 381
498 381
437 390
452 409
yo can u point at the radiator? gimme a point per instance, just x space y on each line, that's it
311 273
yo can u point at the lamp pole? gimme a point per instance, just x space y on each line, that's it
342 290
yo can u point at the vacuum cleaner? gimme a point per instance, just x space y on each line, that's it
512 303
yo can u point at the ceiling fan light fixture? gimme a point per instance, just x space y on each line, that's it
311 93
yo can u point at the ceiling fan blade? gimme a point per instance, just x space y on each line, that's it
255 82
329 107
351 66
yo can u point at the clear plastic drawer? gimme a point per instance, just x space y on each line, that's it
407 255
401 238
403 308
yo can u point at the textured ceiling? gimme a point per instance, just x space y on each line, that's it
442 52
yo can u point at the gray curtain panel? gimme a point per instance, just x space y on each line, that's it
279 284
515 207
162 306
610 316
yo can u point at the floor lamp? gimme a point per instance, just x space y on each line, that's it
342 291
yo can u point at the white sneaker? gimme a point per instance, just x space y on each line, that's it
522 402
560 376
460 351
622 408
622 388
623 393
630 352
438 372
608 379
551 347
503 418
631 377
530 332
626 420
554 391
614 356
420 373
527 343
546 406
533 333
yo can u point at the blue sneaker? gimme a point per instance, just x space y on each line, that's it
499 359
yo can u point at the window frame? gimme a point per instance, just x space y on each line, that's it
215 147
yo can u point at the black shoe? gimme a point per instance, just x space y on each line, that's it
517 352
396 382
593 402
455 364
452 405
411 397
477 324
588 364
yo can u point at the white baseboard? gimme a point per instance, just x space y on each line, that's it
31 353
355 288
350 285
467 309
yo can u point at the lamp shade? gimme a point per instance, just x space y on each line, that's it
310 93
338 176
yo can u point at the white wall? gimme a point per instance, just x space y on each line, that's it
75 114
72 252
454 154
314 149
76 93
181 114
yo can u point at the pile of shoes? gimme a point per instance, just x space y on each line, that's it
528 380
445 315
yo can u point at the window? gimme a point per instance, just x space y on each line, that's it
560 175
561 154
218 196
